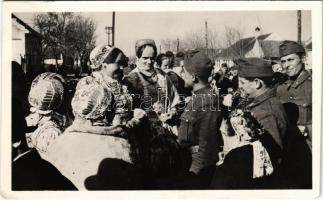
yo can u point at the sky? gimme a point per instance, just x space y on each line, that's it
131 26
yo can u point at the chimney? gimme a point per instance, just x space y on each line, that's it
257 32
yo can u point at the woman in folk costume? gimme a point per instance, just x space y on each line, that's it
107 63
45 97
254 162
79 151
153 89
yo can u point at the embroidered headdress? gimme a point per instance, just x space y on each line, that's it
91 101
46 93
105 53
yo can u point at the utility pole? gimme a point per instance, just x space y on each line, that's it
177 48
108 30
299 26
113 27
206 42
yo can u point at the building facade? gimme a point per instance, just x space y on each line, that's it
26 45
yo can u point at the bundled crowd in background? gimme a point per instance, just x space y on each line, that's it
167 122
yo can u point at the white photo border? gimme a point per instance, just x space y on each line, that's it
99 6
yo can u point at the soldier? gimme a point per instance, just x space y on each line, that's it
255 80
296 92
199 129
296 96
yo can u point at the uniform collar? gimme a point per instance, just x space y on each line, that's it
304 75
263 97
148 74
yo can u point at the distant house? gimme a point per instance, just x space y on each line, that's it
261 45
26 45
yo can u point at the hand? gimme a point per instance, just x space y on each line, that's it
32 119
139 114
239 125
158 108
164 117
132 123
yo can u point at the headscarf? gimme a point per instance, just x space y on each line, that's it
105 53
245 123
142 42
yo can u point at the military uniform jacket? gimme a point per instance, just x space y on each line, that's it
199 129
298 92
271 114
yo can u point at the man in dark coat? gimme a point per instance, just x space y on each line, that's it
298 88
199 129
255 80
296 96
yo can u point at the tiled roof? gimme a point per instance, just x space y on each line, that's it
270 48
29 28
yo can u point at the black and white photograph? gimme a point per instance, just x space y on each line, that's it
177 97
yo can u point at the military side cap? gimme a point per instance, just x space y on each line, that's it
254 67
288 47
196 62
142 42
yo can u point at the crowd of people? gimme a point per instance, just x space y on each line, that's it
167 122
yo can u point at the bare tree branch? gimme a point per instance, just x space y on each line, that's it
64 33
